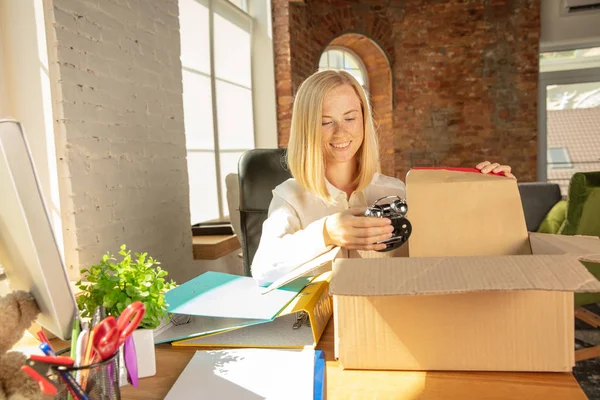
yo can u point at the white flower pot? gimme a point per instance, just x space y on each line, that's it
144 349
143 340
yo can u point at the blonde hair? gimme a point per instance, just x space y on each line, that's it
305 156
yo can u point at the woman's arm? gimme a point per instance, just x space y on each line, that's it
284 245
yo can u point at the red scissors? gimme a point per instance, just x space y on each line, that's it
38 367
111 333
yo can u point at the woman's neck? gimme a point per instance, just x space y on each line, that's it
342 176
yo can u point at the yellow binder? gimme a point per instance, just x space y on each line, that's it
298 325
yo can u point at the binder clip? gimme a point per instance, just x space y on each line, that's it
301 319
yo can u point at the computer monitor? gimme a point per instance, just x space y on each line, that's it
28 249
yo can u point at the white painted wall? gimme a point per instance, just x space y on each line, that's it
25 91
263 74
561 32
122 169
117 92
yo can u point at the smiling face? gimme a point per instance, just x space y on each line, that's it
342 128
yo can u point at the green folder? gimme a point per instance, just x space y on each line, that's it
218 302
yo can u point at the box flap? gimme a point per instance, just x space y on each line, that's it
443 275
545 243
316 266
457 213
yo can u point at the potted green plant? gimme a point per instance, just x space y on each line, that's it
115 284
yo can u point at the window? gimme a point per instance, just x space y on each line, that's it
241 4
569 115
573 95
558 157
342 58
570 59
217 99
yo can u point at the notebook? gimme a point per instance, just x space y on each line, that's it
250 374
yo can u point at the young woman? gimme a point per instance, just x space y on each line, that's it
333 155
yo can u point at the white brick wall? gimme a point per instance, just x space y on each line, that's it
116 85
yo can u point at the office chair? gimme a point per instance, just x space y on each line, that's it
537 199
259 172
232 188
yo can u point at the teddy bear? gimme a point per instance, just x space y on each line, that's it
18 311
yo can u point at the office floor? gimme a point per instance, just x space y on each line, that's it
587 372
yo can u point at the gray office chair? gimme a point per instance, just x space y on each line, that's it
259 172
538 198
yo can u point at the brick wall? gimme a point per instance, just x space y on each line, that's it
379 75
464 73
117 102
283 68
303 47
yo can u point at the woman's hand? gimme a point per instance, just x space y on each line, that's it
486 167
351 230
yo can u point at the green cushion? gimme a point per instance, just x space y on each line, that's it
590 215
583 205
583 218
554 219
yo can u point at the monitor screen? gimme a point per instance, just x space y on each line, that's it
29 254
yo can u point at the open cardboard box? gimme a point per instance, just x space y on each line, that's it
477 291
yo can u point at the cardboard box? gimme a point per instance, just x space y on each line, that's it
476 293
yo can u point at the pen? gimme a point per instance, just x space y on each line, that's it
80 345
74 337
87 359
44 339
80 349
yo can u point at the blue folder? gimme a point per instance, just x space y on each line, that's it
320 387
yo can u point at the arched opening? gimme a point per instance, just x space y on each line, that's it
360 54
335 57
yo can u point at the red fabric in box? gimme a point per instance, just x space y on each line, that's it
459 170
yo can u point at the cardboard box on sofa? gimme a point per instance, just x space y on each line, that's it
476 293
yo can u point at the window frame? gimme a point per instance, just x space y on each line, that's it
233 14
244 6
576 62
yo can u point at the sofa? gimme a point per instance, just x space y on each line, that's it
579 214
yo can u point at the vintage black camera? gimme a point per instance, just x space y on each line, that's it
396 211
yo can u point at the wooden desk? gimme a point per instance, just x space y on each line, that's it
361 385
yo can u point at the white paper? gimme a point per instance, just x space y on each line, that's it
247 374
310 268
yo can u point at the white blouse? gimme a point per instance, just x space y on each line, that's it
293 232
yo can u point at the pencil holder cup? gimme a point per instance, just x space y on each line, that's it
99 381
